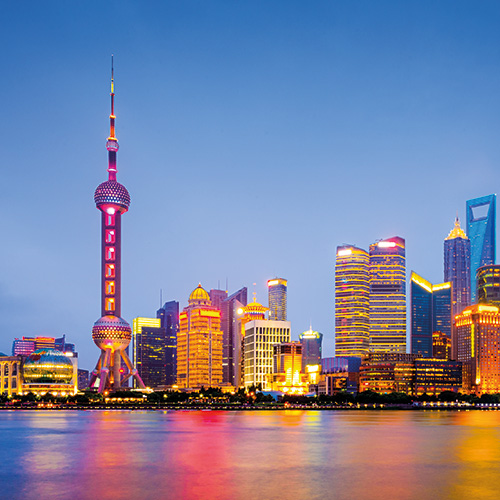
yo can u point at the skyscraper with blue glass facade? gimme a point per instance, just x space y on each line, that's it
481 225
431 309
169 320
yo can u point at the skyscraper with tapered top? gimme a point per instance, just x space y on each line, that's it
481 230
457 267
111 333
388 296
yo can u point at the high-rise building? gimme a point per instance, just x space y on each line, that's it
199 343
149 351
217 297
441 345
352 291
430 312
28 345
481 230
244 314
388 296
277 299
287 376
260 336
169 320
111 333
231 335
311 348
457 267
476 343
488 285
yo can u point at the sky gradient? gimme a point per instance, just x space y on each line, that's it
255 137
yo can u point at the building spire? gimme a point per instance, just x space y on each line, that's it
112 144
457 231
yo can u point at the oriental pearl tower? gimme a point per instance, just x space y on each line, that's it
111 333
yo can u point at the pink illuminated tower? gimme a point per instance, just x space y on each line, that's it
111 333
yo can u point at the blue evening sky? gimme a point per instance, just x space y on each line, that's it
255 136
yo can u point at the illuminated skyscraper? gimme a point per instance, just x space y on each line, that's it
111 333
244 314
352 290
169 318
488 285
231 335
388 296
277 299
430 312
260 336
481 230
311 348
199 343
457 267
476 344
149 351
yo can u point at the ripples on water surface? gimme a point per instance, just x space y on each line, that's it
243 455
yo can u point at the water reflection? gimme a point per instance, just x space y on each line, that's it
241 455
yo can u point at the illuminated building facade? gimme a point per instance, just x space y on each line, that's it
49 371
430 312
477 345
457 267
231 336
260 336
251 312
488 285
311 348
277 289
352 289
388 296
287 375
434 376
169 320
481 230
111 333
199 343
149 357
10 374
441 345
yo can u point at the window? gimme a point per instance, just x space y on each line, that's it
110 304
110 287
110 253
110 270
110 220
110 235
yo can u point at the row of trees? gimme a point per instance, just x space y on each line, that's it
252 396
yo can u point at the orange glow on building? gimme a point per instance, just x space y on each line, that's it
477 344
199 343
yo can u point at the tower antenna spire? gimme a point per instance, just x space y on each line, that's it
112 144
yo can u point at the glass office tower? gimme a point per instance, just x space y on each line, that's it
430 312
488 285
481 230
388 296
277 289
457 267
169 319
352 290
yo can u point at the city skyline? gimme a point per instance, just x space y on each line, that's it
212 119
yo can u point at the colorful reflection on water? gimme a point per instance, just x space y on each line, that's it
243 455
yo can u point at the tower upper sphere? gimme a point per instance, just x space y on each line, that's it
114 194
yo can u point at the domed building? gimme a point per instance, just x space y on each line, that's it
199 343
49 370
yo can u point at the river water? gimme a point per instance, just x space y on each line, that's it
289 455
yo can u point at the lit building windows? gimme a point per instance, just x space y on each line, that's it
110 287
110 235
109 304
110 219
110 270
110 253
